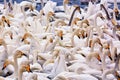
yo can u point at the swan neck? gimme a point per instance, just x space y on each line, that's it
20 74
115 4
107 14
71 18
16 65
42 4
5 4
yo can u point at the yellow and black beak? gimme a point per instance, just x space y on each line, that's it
98 58
116 12
90 43
22 39
115 57
61 37
25 55
28 68
11 36
117 75
78 36
109 55
4 66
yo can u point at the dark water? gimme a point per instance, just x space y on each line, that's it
60 2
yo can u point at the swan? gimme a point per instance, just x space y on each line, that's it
65 2
18 54
49 7
25 4
107 72
5 20
72 76
22 69
116 9
93 42
59 63
77 8
5 4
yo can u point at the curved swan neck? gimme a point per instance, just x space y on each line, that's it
16 65
107 14
115 4
106 72
8 32
5 4
71 18
42 4
65 2
21 70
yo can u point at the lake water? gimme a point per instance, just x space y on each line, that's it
60 2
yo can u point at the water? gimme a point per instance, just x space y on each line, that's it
60 2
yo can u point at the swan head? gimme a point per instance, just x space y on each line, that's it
116 74
9 33
6 63
99 14
98 57
32 8
51 40
86 22
96 40
77 8
116 11
102 6
10 6
4 19
50 16
95 55
115 54
114 22
66 1
25 67
25 36
19 54
60 34
2 42
74 22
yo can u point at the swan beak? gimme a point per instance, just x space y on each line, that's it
115 58
102 17
117 75
22 39
90 43
61 37
60 34
28 68
114 22
8 22
25 55
99 59
78 36
83 55
11 36
4 66
116 12
109 55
